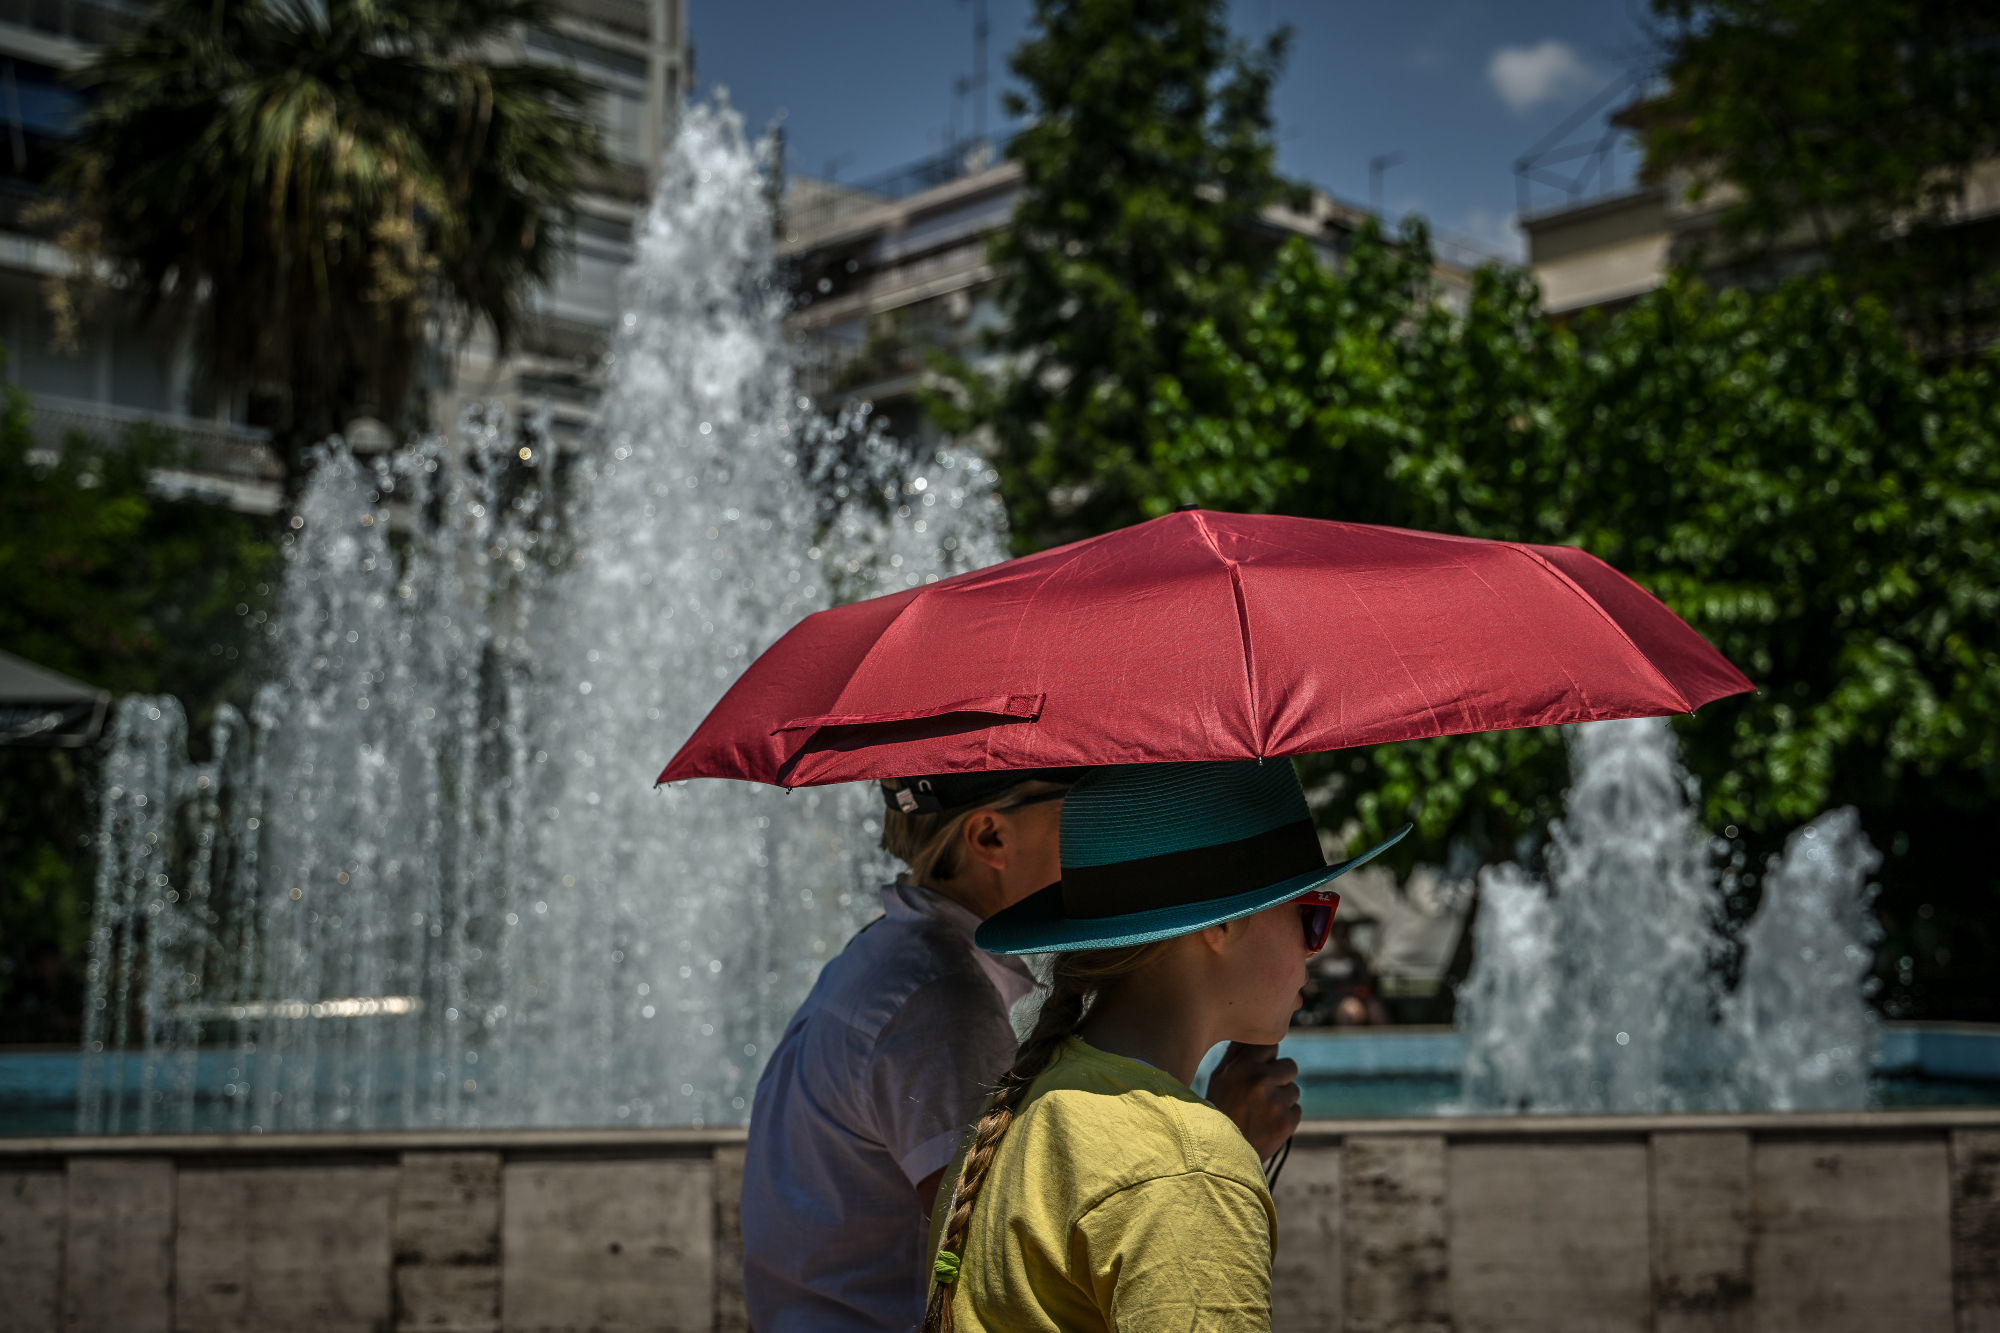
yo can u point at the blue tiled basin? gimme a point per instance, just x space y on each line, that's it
1355 1073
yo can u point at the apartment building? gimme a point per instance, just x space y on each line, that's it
635 52
886 271
1608 244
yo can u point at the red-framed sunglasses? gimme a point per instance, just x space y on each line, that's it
1316 909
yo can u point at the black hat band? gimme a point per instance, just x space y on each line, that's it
1175 879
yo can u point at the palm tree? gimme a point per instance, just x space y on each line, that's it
318 191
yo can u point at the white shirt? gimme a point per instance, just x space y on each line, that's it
868 1092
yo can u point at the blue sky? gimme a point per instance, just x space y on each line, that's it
1460 87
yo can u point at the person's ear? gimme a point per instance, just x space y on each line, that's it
987 838
1216 938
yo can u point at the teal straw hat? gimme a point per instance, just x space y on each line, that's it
1150 851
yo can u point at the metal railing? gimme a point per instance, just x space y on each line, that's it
634 20
812 204
213 446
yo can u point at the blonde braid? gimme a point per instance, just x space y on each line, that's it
1075 981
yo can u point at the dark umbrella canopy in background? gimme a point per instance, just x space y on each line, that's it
40 708
1205 636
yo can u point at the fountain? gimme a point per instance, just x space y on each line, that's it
427 882
425 885
1603 990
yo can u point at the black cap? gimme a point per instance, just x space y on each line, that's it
934 793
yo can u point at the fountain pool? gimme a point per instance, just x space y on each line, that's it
1618 985
1357 1074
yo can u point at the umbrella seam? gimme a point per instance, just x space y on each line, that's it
792 760
1402 658
916 595
922 593
1606 616
1577 687
1242 627
1040 581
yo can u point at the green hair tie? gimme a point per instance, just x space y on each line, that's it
945 1267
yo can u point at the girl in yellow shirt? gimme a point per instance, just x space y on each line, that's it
1096 1192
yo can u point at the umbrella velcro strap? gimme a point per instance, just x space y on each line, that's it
1027 706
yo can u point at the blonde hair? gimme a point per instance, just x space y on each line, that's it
1075 982
928 843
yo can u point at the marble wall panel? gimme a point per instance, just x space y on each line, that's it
730 1316
1701 1233
261 1248
1851 1237
31 1250
1550 1238
1398 1245
609 1247
118 1270
1306 1275
1975 1229
447 1242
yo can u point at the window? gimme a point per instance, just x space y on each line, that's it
621 78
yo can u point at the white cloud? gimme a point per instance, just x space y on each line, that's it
1527 76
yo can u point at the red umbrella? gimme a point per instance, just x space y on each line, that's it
1205 636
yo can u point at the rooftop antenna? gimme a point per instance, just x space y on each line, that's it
1552 161
1377 167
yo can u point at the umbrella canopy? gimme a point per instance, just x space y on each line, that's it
1205 636
40 708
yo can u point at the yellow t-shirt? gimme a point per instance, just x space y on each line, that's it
1117 1200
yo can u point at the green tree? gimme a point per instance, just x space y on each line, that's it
1849 125
1779 467
104 580
319 191
1350 392
1146 172
1360 394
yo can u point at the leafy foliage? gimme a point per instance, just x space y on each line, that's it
1349 394
1782 468
1146 171
1852 124
103 580
320 190
1778 467
1786 475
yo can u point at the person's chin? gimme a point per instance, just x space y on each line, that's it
1272 1034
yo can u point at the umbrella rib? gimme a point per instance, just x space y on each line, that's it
853 671
1242 625
1607 617
1402 659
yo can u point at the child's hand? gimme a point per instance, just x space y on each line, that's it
1260 1092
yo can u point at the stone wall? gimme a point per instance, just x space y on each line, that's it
1885 1221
